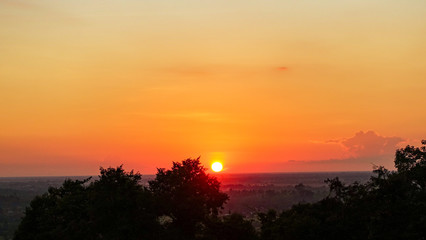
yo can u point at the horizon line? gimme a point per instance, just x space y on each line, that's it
215 174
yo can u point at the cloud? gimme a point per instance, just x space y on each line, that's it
216 69
282 68
192 116
189 71
361 151
365 144
200 116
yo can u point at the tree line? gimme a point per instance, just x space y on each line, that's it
185 203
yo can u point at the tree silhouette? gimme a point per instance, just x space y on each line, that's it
188 196
229 227
115 206
184 203
392 205
120 207
57 213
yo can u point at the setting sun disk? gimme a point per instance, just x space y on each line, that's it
217 166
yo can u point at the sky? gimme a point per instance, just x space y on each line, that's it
263 86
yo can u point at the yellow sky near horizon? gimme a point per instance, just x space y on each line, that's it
264 85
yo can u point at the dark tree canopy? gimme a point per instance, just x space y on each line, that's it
184 202
115 206
410 157
59 213
187 195
121 208
229 227
392 205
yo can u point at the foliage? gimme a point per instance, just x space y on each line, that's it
392 205
184 203
54 214
115 206
229 227
188 196
120 207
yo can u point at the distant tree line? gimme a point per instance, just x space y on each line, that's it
184 203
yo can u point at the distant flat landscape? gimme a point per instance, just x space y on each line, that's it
314 179
249 192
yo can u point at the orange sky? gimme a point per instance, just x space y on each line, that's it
260 85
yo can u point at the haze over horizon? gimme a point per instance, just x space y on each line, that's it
270 86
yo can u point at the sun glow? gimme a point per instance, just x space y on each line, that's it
217 166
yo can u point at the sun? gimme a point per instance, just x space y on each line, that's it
217 166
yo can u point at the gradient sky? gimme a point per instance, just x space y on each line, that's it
263 86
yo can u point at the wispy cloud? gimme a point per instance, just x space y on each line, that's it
189 71
201 116
192 116
217 69
282 68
